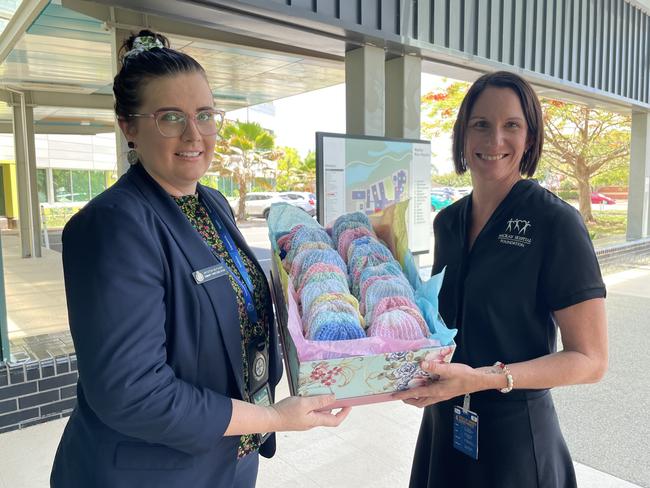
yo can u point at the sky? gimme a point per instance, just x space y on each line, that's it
298 118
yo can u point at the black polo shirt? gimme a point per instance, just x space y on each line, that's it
532 257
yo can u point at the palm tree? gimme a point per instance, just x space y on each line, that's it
307 172
244 150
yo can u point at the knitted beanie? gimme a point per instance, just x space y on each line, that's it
314 289
335 326
312 256
333 304
382 268
381 289
366 245
345 297
310 234
349 221
362 262
284 242
390 303
372 279
349 235
396 324
328 279
301 280
415 313
295 250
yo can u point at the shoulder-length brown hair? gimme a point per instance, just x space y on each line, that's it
530 106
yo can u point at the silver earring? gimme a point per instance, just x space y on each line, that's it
132 154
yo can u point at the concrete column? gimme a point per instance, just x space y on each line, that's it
28 206
4 332
403 80
638 211
365 91
50 185
117 38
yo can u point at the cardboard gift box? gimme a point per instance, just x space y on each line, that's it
355 379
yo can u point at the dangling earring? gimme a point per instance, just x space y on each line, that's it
132 154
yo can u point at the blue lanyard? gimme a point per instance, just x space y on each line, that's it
247 286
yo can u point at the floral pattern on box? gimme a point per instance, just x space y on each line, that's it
367 375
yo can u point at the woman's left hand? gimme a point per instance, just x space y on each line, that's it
454 379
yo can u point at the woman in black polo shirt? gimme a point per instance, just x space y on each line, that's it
519 264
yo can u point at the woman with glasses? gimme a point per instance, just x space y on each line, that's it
169 310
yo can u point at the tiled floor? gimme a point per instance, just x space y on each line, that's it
34 291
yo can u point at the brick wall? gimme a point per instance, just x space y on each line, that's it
37 391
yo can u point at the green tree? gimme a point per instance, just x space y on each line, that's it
244 150
582 142
308 172
619 175
288 170
452 179
294 173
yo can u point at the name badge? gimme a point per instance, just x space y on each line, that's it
207 274
466 430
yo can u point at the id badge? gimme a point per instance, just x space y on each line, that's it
258 366
262 397
466 430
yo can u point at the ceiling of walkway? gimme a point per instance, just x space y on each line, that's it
66 52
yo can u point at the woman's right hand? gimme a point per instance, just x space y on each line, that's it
303 413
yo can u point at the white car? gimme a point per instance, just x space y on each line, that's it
302 199
258 204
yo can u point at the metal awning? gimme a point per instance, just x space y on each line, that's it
64 52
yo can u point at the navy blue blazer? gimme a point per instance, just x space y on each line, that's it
159 355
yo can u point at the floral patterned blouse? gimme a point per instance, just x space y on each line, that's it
200 220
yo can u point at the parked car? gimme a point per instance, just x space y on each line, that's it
258 204
439 200
447 192
600 198
302 199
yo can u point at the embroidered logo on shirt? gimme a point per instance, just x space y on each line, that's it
515 233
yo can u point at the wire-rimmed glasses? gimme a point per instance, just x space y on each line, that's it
172 123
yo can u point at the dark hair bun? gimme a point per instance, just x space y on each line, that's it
148 58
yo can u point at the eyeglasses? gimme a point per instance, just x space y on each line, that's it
172 123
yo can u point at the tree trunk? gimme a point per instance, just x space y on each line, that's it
582 167
241 207
584 198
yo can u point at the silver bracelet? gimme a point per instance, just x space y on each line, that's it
506 372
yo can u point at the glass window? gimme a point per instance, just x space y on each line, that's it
97 183
41 185
80 185
62 185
